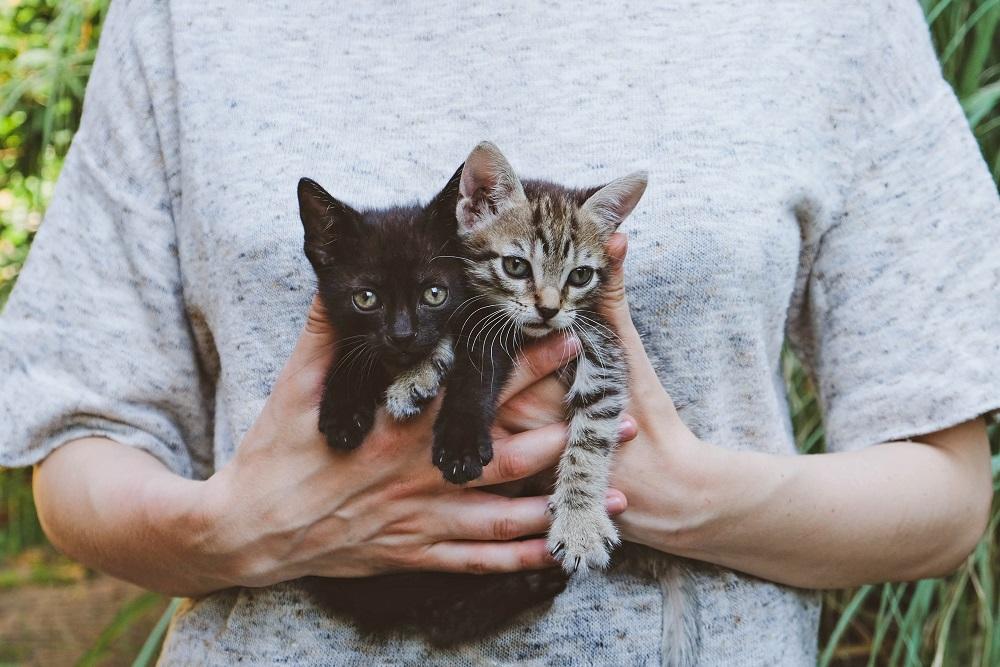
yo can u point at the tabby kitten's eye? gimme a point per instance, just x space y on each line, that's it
435 295
366 300
516 267
580 276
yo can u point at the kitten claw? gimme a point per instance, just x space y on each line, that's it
556 549
460 450
585 537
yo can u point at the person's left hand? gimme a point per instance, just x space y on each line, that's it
658 471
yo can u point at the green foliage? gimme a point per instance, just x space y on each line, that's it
128 615
46 51
955 620
968 42
19 527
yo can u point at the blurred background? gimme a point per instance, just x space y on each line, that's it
54 611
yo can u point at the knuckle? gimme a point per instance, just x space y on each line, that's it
512 465
518 406
478 565
408 559
504 528
527 560
317 321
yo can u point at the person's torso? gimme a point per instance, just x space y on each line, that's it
738 110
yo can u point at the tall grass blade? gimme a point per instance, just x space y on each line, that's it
151 647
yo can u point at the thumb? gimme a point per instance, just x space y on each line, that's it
614 304
313 353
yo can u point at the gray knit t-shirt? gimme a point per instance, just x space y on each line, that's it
811 176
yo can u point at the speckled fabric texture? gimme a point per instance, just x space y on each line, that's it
810 175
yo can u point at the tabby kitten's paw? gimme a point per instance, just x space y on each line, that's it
346 426
582 538
461 450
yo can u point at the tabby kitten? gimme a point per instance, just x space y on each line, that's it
536 263
390 283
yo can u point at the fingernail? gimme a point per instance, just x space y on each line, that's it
627 430
615 503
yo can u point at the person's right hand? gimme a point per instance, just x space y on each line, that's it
288 505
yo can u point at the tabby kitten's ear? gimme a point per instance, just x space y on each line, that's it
324 218
612 203
488 187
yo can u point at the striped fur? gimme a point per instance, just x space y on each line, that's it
552 232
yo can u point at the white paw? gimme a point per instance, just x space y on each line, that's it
582 538
401 401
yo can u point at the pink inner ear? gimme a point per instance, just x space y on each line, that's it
478 175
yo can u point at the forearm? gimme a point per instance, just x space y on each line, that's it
897 511
119 510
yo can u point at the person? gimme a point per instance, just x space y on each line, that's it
811 177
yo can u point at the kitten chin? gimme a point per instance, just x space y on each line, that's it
535 252
391 282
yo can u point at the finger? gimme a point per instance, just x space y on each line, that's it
525 454
614 305
628 429
538 361
540 404
487 557
522 455
615 502
313 353
487 516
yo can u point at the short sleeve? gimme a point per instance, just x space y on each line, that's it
900 323
94 340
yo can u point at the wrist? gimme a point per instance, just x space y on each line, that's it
725 490
184 518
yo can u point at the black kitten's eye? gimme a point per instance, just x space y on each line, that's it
580 276
516 267
434 295
366 299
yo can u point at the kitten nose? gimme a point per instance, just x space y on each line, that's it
403 339
547 313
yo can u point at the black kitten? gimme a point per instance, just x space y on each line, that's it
390 288
390 280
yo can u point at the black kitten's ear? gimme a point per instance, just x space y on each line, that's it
488 187
612 203
441 209
324 218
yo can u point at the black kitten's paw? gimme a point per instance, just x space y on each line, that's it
461 450
346 427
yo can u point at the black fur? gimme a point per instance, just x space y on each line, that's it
398 252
